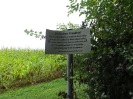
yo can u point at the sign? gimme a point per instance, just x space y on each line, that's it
67 42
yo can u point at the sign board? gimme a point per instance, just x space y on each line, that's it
67 42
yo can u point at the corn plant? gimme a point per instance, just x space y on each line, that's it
19 65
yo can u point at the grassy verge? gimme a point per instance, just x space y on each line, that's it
41 91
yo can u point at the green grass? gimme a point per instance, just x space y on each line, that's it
41 91
47 90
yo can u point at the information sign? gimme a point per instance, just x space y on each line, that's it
67 42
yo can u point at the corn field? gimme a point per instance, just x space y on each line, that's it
26 66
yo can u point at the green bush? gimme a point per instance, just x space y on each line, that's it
108 68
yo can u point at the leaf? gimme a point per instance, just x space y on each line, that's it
31 34
31 30
114 1
40 32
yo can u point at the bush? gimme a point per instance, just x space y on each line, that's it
108 68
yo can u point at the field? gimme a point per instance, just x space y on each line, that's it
20 67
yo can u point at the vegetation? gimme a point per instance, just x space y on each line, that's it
108 68
20 67
49 90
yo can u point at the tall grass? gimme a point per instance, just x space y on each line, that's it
24 66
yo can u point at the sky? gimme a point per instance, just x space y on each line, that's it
39 15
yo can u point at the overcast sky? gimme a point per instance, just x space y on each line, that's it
39 15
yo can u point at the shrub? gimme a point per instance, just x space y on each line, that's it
108 68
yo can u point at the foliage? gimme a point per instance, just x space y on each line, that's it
26 66
34 33
67 26
59 27
108 68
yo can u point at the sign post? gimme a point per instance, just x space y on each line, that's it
68 42
70 76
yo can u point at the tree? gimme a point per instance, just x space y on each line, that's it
108 68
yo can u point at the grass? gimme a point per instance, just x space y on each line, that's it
47 90
41 91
